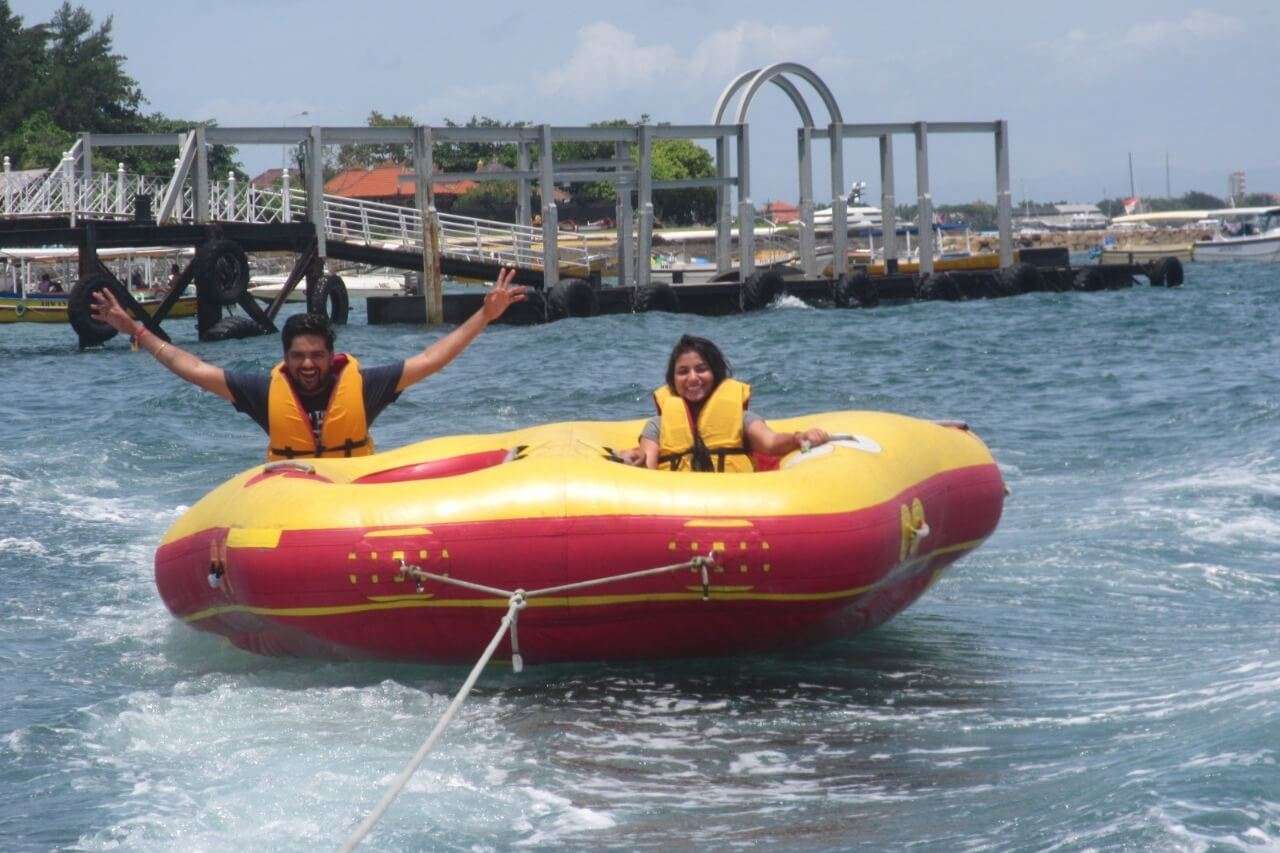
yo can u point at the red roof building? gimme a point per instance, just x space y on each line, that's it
781 211
393 184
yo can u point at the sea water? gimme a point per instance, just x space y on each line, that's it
1104 672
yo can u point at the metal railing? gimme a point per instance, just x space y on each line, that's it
370 223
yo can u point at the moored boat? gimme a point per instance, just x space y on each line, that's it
360 558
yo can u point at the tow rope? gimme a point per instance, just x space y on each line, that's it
517 599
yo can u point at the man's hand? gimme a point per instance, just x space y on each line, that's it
501 295
106 309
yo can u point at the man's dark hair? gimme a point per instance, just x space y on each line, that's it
710 354
307 324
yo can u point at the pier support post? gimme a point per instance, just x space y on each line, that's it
202 176
839 210
724 212
1004 200
8 190
315 188
623 221
924 201
807 260
286 197
524 203
888 207
644 199
550 216
746 209
424 198
86 158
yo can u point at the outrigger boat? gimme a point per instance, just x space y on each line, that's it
22 302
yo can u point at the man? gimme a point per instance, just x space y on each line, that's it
315 402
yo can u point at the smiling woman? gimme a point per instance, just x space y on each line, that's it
703 423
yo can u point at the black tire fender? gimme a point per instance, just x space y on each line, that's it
79 302
760 289
656 297
939 286
1165 272
231 328
222 272
330 298
573 297
1089 279
1018 279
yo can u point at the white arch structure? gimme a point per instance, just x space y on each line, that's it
779 74
837 132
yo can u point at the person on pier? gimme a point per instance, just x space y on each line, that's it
703 423
314 402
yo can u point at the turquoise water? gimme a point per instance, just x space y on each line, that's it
1102 673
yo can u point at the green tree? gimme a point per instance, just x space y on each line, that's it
682 159
358 155
21 55
37 143
83 84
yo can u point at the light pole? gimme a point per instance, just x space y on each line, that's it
284 149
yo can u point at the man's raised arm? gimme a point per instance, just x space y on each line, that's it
200 373
445 350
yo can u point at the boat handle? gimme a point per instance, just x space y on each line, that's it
287 465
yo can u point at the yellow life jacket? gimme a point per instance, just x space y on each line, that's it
346 427
716 442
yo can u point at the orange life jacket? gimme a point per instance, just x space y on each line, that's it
346 427
716 442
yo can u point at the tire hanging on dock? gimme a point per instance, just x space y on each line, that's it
939 286
1090 279
331 299
855 291
656 297
1165 272
222 271
1018 279
233 327
572 297
760 289
79 303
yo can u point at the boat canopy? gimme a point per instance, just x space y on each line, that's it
1191 215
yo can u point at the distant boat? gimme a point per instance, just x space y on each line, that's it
359 286
1251 234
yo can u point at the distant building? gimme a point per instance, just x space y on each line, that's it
781 212
267 179
391 184
1235 188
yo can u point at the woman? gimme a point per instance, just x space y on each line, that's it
703 423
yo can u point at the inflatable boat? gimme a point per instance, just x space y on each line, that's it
410 554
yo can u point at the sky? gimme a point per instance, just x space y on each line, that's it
1083 84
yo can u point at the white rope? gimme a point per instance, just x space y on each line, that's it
517 600
397 785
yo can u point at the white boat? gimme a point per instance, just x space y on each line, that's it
359 286
857 214
1246 234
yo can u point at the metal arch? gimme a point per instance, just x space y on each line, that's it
802 106
772 72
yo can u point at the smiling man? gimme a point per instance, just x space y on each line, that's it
315 402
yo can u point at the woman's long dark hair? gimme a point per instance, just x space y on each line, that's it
710 353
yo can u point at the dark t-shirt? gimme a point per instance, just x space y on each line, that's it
251 389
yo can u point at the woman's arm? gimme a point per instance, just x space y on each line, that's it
441 352
200 373
762 439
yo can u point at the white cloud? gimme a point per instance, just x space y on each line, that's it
608 61
1084 53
